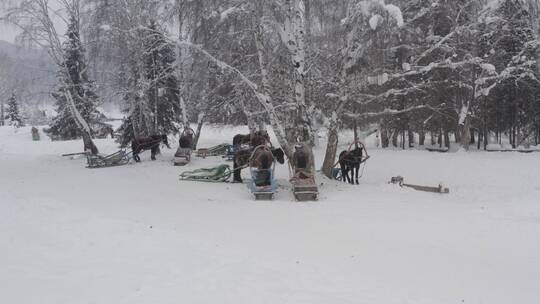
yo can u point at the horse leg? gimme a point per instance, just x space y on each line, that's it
350 168
153 154
357 169
237 173
343 169
347 178
136 156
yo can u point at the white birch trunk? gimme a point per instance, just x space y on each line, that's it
200 123
183 108
262 97
83 125
293 37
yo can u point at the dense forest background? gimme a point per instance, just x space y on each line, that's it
420 72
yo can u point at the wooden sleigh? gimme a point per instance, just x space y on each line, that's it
182 156
304 187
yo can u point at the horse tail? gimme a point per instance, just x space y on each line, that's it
342 157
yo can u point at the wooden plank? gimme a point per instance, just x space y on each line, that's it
439 189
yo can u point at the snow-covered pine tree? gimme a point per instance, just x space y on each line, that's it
511 50
153 99
162 91
82 89
135 124
12 114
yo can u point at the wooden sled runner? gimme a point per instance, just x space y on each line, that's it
304 187
262 184
119 158
182 156
303 182
399 180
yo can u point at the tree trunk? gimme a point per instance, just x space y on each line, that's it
355 130
479 141
422 138
200 123
411 138
465 131
395 136
83 125
537 138
264 98
183 108
293 37
486 138
89 144
331 149
333 137
385 141
2 113
514 137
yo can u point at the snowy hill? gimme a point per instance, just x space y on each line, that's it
136 234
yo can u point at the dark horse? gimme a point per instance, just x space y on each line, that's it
151 143
262 161
262 158
242 157
256 139
301 158
350 161
186 139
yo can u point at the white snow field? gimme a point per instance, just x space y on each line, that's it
136 234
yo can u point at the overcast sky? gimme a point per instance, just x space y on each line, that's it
9 32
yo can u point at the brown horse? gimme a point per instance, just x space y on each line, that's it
151 143
186 139
242 156
301 158
254 140
262 160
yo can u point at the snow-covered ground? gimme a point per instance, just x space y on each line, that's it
136 234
